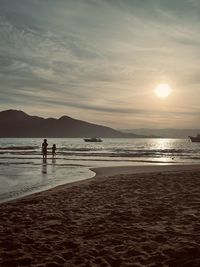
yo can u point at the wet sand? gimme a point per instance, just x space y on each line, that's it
125 216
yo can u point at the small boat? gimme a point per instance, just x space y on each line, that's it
195 138
93 139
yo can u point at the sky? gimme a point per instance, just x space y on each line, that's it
100 60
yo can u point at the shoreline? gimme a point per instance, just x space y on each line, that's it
108 171
116 170
123 216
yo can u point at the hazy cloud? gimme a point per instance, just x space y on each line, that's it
100 59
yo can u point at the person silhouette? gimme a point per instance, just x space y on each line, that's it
44 148
54 150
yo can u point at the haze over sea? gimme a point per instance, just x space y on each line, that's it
24 172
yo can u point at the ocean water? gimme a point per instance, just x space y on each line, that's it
23 171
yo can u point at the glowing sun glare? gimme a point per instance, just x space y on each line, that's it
163 90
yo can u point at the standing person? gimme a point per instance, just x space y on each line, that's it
44 149
54 150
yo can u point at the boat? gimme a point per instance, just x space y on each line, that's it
195 138
93 139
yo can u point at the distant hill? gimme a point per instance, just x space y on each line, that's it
16 123
165 132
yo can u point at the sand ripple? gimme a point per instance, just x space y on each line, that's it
127 220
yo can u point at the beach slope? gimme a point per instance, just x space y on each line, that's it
147 217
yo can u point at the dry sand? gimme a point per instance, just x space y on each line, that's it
141 216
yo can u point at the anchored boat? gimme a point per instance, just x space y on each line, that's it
195 138
93 139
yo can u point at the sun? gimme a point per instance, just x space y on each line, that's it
163 90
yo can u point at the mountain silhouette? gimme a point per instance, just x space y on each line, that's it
16 123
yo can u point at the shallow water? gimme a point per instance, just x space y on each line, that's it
22 170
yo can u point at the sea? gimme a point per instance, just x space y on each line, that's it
23 171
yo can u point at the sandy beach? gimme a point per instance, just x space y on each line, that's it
125 216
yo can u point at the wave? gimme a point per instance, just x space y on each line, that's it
94 151
111 152
48 162
164 150
138 154
80 149
19 147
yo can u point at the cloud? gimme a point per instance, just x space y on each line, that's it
194 3
97 56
